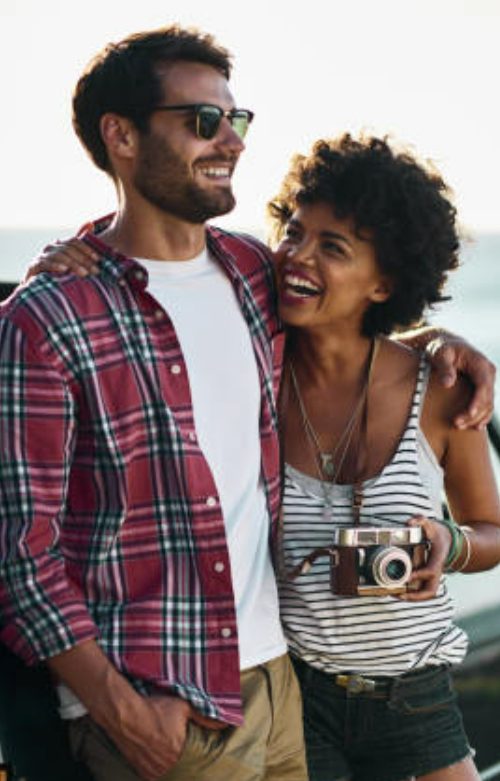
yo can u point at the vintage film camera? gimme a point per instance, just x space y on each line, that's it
371 561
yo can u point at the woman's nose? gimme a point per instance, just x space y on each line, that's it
302 253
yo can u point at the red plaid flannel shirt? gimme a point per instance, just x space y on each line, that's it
110 522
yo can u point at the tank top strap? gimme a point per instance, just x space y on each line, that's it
422 381
408 441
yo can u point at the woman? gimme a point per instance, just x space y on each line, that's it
367 238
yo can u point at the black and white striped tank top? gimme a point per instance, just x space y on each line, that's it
368 635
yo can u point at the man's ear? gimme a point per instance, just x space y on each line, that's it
119 135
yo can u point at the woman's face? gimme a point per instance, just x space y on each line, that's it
327 275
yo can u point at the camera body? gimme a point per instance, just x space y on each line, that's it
376 561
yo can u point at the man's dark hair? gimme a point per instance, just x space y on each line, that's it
123 78
401 204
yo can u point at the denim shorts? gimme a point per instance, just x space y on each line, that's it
410 727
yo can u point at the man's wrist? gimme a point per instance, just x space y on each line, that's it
103 690
433 341
113 700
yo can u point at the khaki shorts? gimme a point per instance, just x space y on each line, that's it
268 747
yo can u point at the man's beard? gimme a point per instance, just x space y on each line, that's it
164 180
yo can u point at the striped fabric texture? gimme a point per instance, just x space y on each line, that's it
110 521
378 635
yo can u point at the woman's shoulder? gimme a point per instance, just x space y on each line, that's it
398 371
441 406
401 361
397 363
445 403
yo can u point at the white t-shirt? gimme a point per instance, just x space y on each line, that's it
225 392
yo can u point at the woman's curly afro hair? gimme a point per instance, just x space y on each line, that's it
402 204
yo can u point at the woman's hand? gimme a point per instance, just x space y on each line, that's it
449 356
428 577
61 257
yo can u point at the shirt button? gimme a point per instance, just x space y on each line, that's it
122 282
175 369
219 566
192 436
139 275
226 632
159 315
211 501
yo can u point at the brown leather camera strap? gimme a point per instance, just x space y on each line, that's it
306 563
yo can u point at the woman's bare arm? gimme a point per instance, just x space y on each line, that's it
469 479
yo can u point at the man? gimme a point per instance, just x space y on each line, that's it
140 477
136 504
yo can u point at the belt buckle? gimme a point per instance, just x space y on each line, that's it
355 684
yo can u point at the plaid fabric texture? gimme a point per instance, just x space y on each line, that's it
110 521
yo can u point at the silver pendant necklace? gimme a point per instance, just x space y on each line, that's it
329 464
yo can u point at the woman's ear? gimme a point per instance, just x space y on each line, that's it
383 290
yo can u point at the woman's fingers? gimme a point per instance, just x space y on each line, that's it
426 579
60 257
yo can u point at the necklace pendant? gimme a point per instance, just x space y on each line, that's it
327 465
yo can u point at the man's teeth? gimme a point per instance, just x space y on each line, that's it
217 172
300 286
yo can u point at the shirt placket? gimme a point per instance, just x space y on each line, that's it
207 523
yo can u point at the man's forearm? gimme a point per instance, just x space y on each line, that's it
148 731
87 671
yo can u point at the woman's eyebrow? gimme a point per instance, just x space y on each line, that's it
336 237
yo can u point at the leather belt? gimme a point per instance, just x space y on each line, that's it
359 684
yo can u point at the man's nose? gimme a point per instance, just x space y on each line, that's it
229 138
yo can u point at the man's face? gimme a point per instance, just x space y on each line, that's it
178 172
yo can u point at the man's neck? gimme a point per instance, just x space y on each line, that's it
155 235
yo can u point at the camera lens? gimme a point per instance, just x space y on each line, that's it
389 566
396 569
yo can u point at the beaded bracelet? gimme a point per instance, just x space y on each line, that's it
454 555
457 542
467 532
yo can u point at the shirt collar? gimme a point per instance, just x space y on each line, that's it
118 265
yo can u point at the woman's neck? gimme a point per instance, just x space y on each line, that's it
326 358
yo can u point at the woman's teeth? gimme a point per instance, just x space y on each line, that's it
299 286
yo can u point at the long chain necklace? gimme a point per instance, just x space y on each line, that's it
326 462
330 464
341 449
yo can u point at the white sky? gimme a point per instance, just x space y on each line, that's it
426 71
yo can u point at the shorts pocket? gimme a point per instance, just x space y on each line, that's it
421 697
201 741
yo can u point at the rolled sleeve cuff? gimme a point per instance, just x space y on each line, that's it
36 641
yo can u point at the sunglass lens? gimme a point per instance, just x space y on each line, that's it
209 118
240 121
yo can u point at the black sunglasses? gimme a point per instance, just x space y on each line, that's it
209 117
